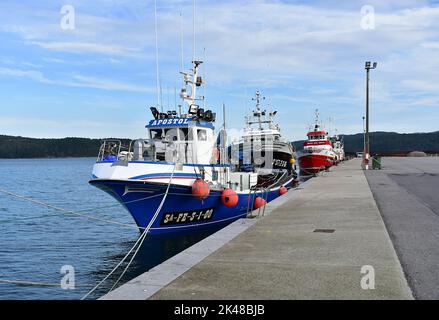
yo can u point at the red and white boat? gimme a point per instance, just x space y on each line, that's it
338 148
317 153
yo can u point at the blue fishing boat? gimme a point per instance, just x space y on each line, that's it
181 178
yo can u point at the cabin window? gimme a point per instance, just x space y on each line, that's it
185 134
202 135
171 134
155 134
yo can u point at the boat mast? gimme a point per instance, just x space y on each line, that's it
316 128
191 79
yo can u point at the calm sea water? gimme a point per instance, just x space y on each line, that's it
35 241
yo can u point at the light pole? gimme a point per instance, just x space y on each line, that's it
364 138
368 66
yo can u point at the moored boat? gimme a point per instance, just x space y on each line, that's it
179 178
338 147
262 147
317 153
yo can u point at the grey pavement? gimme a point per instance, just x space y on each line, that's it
280 256
406 191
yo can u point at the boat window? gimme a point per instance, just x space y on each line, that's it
186 134
202 135
155 134
171 134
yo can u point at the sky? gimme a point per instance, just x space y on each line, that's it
94 74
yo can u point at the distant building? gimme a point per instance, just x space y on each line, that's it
416 154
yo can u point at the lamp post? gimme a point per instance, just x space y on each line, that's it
368 66
364 138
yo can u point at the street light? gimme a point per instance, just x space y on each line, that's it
364 137
368 66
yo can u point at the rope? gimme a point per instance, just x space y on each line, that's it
139 240
145 232
34 283
315 174
79 213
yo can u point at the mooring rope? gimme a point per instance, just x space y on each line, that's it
145 232
38 284
80 212
139 240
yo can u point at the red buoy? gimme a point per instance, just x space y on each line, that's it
200 189
229 198
259 202
283 190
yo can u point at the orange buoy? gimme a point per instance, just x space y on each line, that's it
259 202
200 189
229 198
283 190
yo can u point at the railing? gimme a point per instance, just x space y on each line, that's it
109 150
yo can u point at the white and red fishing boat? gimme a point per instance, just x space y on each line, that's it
317 153
338 147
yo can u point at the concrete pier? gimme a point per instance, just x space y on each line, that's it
312 244
406 190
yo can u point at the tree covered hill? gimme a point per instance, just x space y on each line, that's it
21 147
388 142
380 142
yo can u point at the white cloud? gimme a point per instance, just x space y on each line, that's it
105 84
31 74
77 81
84 47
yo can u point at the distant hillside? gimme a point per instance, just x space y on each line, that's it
380 142
20 147
387 142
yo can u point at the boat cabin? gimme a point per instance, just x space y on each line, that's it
317 135
182 140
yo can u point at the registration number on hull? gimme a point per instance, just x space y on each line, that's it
280 163
187 216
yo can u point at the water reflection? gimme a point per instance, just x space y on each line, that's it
155 250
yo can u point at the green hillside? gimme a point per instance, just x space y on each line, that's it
388 142
380 142
20 147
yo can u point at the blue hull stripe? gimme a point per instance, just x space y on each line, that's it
172 163
165 175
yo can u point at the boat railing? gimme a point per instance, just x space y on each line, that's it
112 150
109 150
141 149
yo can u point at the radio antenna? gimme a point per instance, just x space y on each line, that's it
194 25
181 42
205 76
157 58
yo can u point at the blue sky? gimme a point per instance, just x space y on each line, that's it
98 80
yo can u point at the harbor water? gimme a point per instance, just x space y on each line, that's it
38 241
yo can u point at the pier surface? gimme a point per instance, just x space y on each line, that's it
283 255
406 191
